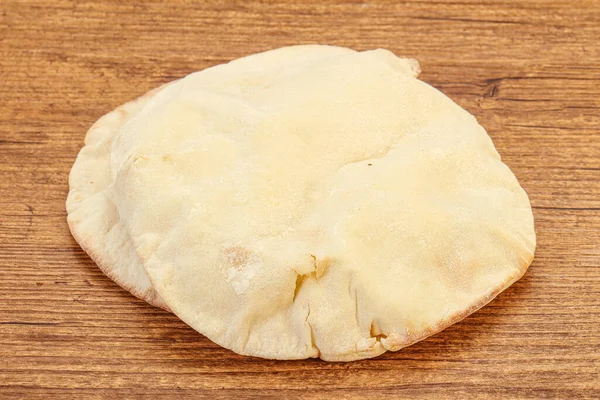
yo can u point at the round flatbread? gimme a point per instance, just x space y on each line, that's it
92 216
314 201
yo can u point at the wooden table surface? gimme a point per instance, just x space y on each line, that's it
529 71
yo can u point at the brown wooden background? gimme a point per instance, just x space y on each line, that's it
530 72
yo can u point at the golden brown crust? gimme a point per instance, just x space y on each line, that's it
150 297
460 315
123 113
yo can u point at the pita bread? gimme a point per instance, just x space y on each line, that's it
92 217
313 201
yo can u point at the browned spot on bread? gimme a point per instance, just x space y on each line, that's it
236 256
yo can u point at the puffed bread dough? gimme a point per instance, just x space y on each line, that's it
310 201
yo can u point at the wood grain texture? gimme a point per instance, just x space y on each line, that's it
529 71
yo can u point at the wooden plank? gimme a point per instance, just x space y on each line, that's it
529 71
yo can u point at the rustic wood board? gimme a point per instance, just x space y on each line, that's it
529 71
